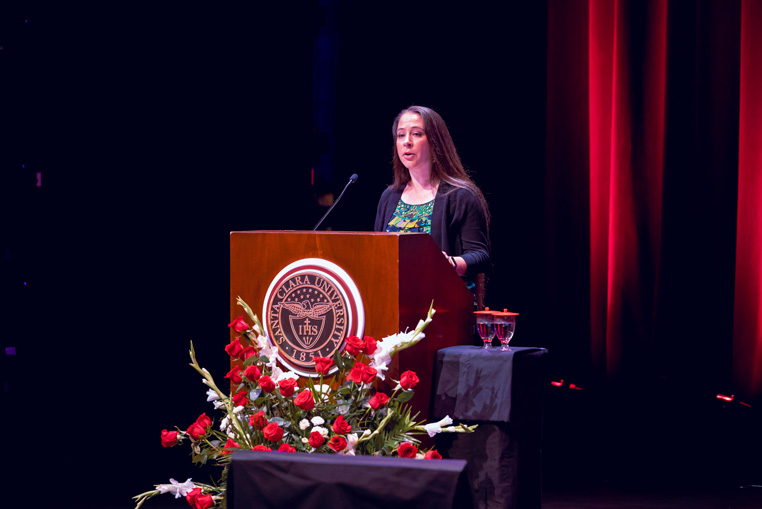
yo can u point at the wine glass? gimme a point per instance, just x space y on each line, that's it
505 326
485 325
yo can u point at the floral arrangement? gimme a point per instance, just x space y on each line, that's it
278 411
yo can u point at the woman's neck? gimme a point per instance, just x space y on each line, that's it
421 188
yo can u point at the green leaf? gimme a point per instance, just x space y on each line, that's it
338 360
405 396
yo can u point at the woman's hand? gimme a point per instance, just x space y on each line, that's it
457 263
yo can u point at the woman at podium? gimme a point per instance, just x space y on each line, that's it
432 193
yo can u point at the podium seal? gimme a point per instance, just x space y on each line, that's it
310 308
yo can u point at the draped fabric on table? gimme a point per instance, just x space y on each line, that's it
654 155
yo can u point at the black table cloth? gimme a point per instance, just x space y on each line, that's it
503 392
300 480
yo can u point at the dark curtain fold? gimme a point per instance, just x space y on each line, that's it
653 161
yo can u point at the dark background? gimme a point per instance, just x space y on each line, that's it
157 130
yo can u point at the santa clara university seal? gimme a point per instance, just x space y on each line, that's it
311 306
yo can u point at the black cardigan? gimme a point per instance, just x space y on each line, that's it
458 225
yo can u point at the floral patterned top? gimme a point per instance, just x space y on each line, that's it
411 218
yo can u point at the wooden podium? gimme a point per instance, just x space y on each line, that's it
397 276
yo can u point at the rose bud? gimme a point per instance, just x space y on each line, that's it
407 450
204 420
235 348
337 443
240 399
341 427
304 400
168 438
252 372
196 431
378 400
273 432
323 364
239 325
409 379
248 352
287 386
235 375
204 502
370 345
266 383
229 443
286 448
316 439
260 447
258 420
432 455
354 345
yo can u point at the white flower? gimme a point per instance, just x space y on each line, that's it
176 488
238 409
436 427
224 423
212 395
317 420
305 440
320 430
304 424
289 374
349 450
218 405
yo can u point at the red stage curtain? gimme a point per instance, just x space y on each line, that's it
644 109
747 333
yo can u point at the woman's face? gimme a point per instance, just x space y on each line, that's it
412 144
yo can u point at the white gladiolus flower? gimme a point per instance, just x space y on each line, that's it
304 424
349 450
218 405
238 409
436 427
212 395
287 374
176 488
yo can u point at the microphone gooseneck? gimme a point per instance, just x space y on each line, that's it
352 180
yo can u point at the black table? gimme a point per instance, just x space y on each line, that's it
300 480
503 392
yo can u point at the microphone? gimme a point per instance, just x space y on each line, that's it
352 180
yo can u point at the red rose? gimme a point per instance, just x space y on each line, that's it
203 502
362 373
229 443
316 439
192 495
323 364
266 383
370 345
248 352
354 345
341 427
304 400
240 399
235 348
196 431
407 450
337 443
286 448
409 379
239 325
258 420
260 447
235 375
378 400
168 438
287 386
273 432
204 420
432 455
252 372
